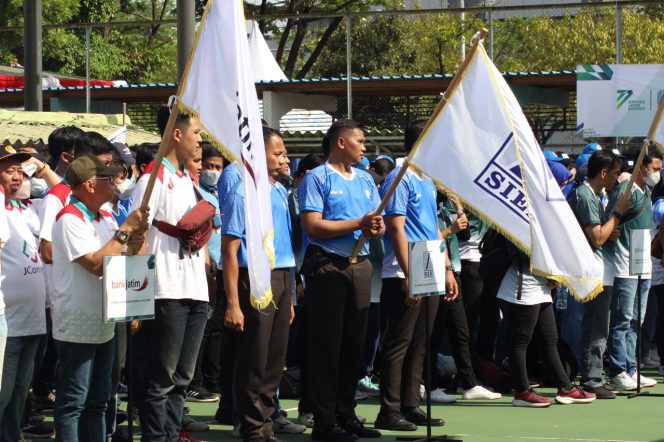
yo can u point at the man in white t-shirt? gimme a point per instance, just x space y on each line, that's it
181 291
82 235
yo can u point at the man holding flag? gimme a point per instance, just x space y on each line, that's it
181 291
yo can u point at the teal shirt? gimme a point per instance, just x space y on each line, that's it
452 242
588 210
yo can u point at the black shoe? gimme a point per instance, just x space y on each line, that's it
331 433
394 421
200 394
601 392
353 425
224 416
39 431
419 417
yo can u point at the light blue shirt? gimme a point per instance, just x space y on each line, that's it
214 244
283 247
414 198
232 220
230 176
326 191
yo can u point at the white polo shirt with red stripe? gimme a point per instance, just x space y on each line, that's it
173 196
23 281
77 297
54 201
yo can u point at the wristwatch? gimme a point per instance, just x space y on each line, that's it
122 237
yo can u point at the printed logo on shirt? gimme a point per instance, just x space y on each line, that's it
170 184
367 193
336 192
30 252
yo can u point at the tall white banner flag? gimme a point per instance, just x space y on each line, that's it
481 147
219 89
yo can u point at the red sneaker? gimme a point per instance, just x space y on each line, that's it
574 396
530 398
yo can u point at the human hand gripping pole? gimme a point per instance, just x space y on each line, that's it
406 163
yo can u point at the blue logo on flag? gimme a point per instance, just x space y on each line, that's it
503 182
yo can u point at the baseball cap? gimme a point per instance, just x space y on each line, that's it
125 153
363 164
582 160
8 151
550 155
85 167
591 147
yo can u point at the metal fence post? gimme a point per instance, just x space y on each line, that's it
491 33
349 73
87 69
619 28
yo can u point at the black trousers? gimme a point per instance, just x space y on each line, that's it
208 368
451 319
228 347
481 310
403 346
524 321
262 354
337 300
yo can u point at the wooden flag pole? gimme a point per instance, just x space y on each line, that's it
644 149
406 164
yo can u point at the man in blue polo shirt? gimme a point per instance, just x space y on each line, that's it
337 205
264 333
410 215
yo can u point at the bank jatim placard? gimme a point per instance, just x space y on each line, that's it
129 283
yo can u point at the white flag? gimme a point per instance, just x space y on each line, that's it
481 148
119 136
219 89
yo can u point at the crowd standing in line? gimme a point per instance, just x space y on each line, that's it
336 330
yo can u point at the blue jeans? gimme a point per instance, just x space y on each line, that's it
16 377
174 338
83 388
623 327
594 333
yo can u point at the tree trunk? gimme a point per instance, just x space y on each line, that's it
319 47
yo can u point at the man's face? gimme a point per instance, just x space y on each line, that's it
11 176
213 163
103 188
352 143
194 166
275 156
188 140
654 166
610 178
105 158
284 171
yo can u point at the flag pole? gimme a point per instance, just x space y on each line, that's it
170 124
406 164
646 142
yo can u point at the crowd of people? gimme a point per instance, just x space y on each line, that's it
337 330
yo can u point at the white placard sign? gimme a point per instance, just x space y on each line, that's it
426 273
639 252
129 283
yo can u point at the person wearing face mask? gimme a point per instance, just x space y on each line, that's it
623 326
212 165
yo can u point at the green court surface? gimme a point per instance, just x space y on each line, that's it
620 419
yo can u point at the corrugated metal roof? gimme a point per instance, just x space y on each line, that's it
313 80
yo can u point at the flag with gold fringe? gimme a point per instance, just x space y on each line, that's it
479 146
218 88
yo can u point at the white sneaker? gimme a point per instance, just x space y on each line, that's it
439 395
622 382
478 392
645 382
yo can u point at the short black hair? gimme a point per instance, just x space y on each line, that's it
651 155
307 163
412 133
268 133
164 113
600 160
382 166
63 139
145 154
209 151
335 130
93 143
